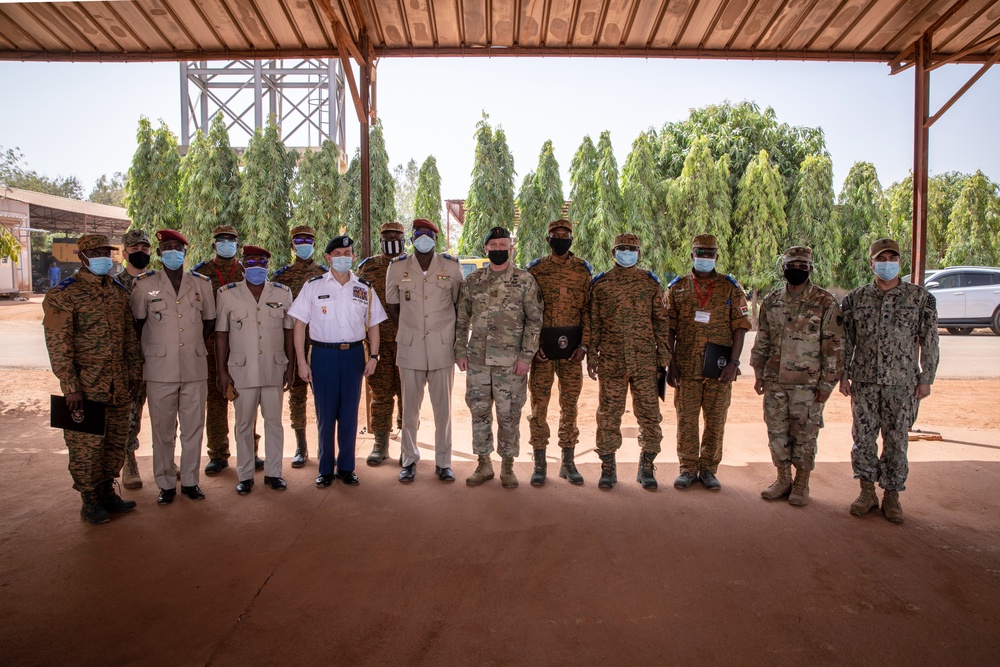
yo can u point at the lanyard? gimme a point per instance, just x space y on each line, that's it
702 301
232 270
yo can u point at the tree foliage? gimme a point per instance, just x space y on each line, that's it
491 195
383 186
645 202
540 201
583 197
265 188
152 186
609 216
351 213
760 220
16 174
110 191
319 192
427 204
862 218
810 217
406 191
974 228
943 191
700 204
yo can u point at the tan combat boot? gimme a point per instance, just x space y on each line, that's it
484 472
891 508
380 452
800 489
780 487
130 472
867 501
507 477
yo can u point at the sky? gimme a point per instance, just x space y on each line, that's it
80 119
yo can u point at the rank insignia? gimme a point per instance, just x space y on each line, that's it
324 310
407 296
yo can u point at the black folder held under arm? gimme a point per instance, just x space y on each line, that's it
716 358
88 420
559 342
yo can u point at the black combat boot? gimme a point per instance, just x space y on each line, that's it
92 512
111 501
609 472
645 474
301 449
538 476
568 469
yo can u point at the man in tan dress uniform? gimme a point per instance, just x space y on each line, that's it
176 311
421 291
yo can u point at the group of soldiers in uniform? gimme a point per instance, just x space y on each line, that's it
191 341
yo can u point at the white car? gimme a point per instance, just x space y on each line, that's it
968 297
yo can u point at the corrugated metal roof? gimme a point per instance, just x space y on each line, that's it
53 213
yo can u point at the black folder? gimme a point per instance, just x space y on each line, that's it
559 342
716 358
91 421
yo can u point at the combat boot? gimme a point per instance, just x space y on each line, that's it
111 501
381 450
92 512
568 469
645 473
484 471
130 472
301 449
507 477
780 487
891 508
609 472
538 476
867 500
800 489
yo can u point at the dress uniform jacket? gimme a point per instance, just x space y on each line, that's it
256 332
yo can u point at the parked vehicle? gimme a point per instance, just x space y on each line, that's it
968 297
470 264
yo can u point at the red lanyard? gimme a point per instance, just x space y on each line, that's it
703 300
232 270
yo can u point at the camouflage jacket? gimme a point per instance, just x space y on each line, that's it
294 275
723 299
565 287
504 311
890 337
90 335
800 339
126 281
221 271
629 332
373 270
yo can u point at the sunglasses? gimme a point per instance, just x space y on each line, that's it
250 263
705 252
422 232
303 240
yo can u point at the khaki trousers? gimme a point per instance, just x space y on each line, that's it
170 403
269 400
439 383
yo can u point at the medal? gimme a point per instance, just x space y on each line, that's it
407 296
324 310
239 324
157 316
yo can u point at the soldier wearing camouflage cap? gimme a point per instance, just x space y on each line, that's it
90 337
628 332
890 360
797 360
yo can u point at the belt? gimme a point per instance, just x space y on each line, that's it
335 346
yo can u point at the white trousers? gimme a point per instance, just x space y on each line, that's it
171 403
269 400
439 383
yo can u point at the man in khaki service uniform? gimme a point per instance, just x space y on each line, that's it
176 312
421 292
253 338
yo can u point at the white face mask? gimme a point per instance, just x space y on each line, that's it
886 270
423 244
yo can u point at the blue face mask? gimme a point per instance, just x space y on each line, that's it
704 264
225 249
341 264
100 266
626 258
304 250
887 270
172 259
256 275
424 244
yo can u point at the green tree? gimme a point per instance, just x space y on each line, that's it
406 191
760 219
862 218
15 175
701 204
351 216
265 188
810 217
583 198
318 193
974 228
609 216
943 191
644 199
110 191
491 195
152 186
540 201
383 186
427 204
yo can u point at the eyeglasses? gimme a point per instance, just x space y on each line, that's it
423 231
250 263
303 240
631 248
705 252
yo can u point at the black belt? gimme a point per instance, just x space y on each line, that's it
335 346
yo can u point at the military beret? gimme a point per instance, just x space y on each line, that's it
303 230
170 235
135 237
496 233
339 242
391 226
798 253
561 224
705 241
255 250
881 246
92 242
421 223
224 229
626 239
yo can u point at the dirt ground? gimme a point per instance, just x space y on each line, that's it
436 574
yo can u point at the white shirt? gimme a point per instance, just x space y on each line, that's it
336 313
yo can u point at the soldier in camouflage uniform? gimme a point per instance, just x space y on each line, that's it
797 360
629 335
384 382
94 352
294 276
502 306
890 359
703 307
564 281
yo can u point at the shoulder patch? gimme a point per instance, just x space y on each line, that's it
398 258
653 276
674 281
315 278
199 275
282 270
597 277
734 282
535 262
447 256
590 269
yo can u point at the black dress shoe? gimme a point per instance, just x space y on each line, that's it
444 474
192 492
324 480
258 463
244 487
275 483
408 473
684 480
348 477
215 466
166 496
710 481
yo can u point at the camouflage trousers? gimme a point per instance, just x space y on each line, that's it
890 409
540 382
217 416
793 418
611 405
94 459
135 418
385 388
486 386
692 398
297 402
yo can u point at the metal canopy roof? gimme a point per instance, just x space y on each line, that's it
61 214
828 30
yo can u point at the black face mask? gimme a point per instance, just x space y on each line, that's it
796 277
139 260
498 257
560 246
392 247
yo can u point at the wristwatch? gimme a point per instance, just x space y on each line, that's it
735 362
373 356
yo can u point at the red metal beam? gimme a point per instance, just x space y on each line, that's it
921 109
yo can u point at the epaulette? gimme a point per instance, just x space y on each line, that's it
282 270
364 261
653 276
535 262
279 285
200 275
315 277
451 257
325 268
225 287
364 282
65 283
734 282
674 281
597 277
398 258
145 274
590 269
199 265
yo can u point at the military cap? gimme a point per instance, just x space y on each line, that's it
224 229
882 245
92 242
626 239
421 223
496 233
255 250
135 237
170 235
303 230
705 241
391 226
339 242
561 224
798 253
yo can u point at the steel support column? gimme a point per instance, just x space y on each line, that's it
921 112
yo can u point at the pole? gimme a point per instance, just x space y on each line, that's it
921 112
366 204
